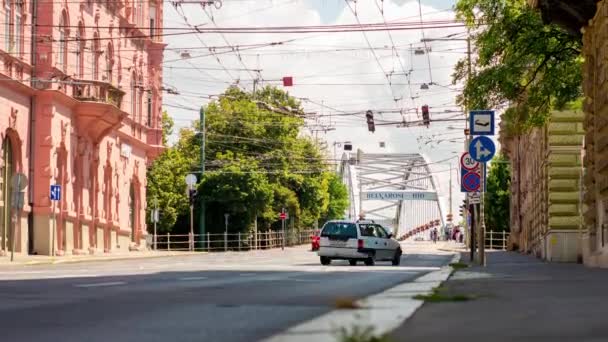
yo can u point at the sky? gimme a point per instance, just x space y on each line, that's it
334 72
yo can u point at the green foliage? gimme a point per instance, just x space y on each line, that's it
167 124
520 61
498 194
256 164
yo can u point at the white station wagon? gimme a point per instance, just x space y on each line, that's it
357 241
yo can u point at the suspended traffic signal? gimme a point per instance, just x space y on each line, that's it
426 117
371 126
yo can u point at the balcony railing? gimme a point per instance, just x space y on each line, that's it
97 91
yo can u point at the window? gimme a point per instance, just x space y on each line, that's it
140 99
339 230
63 42
133 96
380 232
140 12
8 32
19 28
80 51
152 16
149 109
109 63
95 56
367 230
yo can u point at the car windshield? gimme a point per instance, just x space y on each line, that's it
340 229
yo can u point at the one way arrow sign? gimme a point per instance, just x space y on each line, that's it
482 149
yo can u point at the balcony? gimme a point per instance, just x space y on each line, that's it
97 91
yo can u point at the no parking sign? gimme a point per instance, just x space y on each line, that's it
470 174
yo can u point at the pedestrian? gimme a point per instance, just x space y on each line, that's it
461 237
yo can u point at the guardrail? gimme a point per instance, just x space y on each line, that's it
229 241
497 240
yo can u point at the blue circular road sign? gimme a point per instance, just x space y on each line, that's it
482 149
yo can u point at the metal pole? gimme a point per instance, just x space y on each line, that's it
13 231
482 224
255 230
54 228
155 236
283 230
191 238
202 216
473 216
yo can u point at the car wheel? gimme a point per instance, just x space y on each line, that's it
352 262
325 261
397 258
370 261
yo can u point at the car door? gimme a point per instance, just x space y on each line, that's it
382 246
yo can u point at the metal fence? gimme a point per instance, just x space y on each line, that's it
230 241
497 240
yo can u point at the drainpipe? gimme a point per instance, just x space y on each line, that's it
32 127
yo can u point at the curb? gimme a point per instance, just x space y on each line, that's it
93 259
384 311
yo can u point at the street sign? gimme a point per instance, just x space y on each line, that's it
399 195
482 149
481 122
283 216
474 197
55 192
154 215
468 163
471 182
190 180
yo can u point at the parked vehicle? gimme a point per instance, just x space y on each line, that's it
315 238
357 241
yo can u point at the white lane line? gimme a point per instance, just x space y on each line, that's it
113 283
193 278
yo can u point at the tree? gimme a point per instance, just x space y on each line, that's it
521 62
338 198
498 194
166 181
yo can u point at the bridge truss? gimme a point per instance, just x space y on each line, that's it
395 190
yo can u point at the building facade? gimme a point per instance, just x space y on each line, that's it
81 102
546 187
589 19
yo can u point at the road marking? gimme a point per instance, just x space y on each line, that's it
193 278
112 283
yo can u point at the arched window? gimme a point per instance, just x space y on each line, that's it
149 108
63 42
132 210
140 99
80 50
95 56
133 96
140 12
109 63
5 208
19 28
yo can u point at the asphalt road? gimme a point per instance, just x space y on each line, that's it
210 297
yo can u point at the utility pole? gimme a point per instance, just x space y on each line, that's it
482 224
202 217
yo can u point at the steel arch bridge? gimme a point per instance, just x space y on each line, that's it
393 189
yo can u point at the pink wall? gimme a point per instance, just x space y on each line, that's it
84 115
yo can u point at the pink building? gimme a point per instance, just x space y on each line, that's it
83 113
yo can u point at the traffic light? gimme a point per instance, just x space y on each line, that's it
426 117
371 126
450 217
192 196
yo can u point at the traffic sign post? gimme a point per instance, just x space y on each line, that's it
283 217
54 195
482 149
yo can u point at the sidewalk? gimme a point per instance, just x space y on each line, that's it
515 298
21 260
